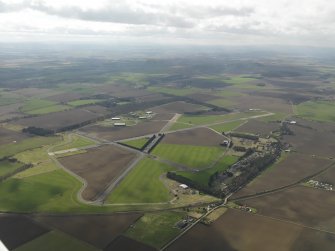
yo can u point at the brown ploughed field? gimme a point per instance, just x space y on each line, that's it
197 137
288 171
259 127
241 231
308 206
98 230
124 132
9 136
177 107
58 120
99 167
123 243
16 230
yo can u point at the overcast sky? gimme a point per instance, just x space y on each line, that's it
237 22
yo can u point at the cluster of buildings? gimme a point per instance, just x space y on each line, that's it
148 115
320 185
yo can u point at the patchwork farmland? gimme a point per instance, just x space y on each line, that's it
181 153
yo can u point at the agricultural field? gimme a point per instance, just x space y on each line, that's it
90 185
124 132
98 167
49 109
26 144
197 136
82 102
35 104
137 143
151 225
291 168
9 136
317 110
179 107
16 230
53 191
228 126
295 205
143 184
260 128
73 141
190 156
314 138
55 241
125 243
212 119
8 98
265 103
96 230
59 120
202 177
8 166
176 91
236 231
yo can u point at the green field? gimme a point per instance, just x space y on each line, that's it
84 102
53 191
7 166
226 127
34 104
73 141
244 82
191 156
55 241
178 126
156 229
137 143
33 156
275 117
142 184
49 109
221 102
202 177
7 98
323 111
30 143
175 91
45 167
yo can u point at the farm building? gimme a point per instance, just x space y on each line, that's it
142 117
149 112
183 186
292 122
116 118
119 124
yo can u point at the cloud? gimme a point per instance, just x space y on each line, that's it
218 20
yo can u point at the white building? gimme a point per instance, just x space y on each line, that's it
116 118
119 124
183 186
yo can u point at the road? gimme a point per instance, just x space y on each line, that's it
194 223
